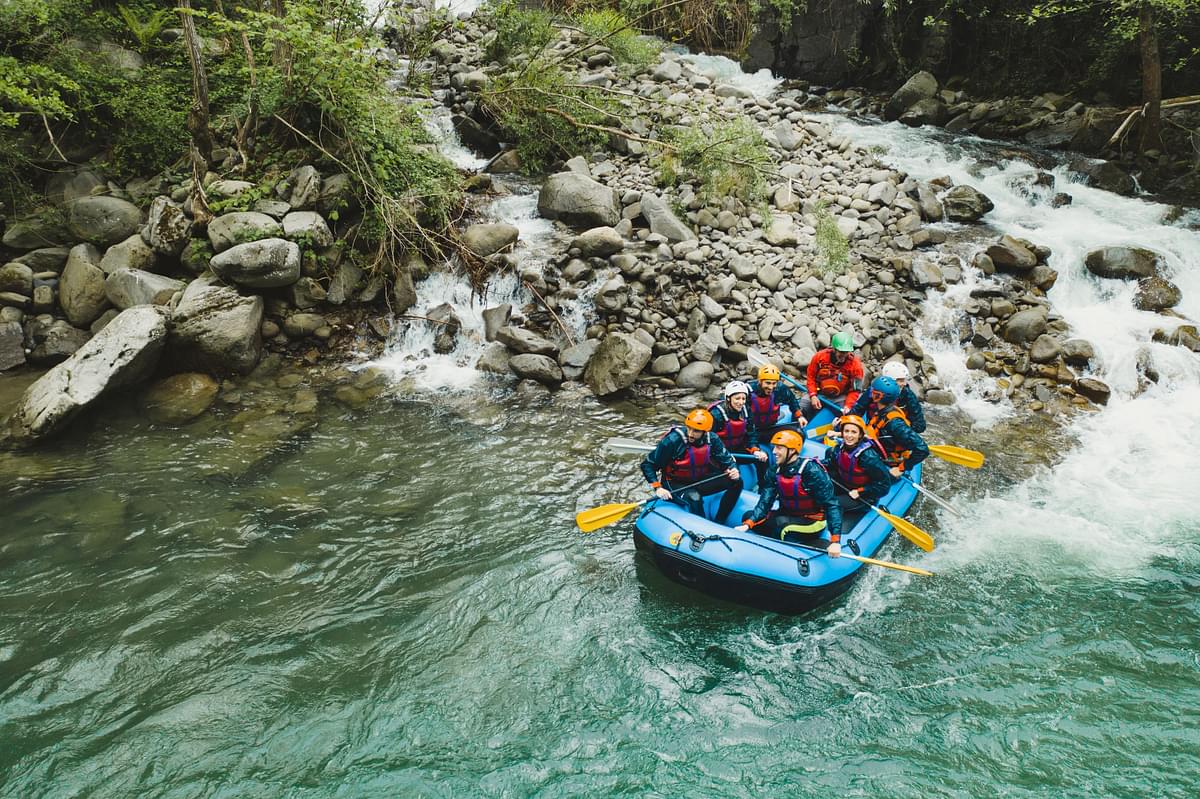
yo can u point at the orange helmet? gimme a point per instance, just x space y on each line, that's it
699 419
768 371
788 438
857 421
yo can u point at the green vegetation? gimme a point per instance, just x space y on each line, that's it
833 247
518 30
615 32
90 81
728 158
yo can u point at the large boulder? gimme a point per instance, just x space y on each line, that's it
16 277
1010 255
523 341
302 190
488 238
129 287
920 86
167 229
1024 327
179 398
696 375
599 242
132 253
928 111
1046 348
662 219
579 201
541 368
36 231
616 363
123 353
264 264
308 227
81 290
1095 390
216 329
240 227
966 204
1156 294
1124 263
103 221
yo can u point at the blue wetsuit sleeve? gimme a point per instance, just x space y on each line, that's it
785 396
903 435
720 455
660 456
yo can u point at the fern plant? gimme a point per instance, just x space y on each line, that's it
145 32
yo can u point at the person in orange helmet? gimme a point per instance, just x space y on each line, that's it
767 398
807 506
856 465
688 455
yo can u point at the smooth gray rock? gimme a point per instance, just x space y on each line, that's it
1077 352
309 227
929 111
1045 348
1010 255
304 185
81 291
103 221
494 319
927 274
215 329
662 219
306 293
523 341
179 398
1122 263
298 325
269 263
665 365
55 342
241 227
579 201
16 277
920 86
577 355
36 231
129 287
770 276
494 359
599 242
1156 294
696 375
132 253
1024 327
404 291
1095 390
541 368
966 204
345 282
617 362
668 71
45 259
613 295
124 353
782 232
489 238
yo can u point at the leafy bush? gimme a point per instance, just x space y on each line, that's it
628 48
727 158
833 247
517 30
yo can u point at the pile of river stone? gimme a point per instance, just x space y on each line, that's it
189 302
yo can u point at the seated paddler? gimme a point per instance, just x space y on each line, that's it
691 463
807 505
856 464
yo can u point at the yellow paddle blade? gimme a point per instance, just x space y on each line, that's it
817 432
909 530
595 518
957 455
887 564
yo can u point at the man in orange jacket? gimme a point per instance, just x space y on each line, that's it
835 374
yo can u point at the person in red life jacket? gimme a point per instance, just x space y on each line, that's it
735 426
807 505
835 374
688 455
768 397
888 424
856 464
907 401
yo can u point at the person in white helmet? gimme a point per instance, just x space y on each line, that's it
734 425
908 401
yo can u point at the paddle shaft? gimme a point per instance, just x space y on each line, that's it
932 496
887 564
903 526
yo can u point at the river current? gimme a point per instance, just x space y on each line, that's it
396 602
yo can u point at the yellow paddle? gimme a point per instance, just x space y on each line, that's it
903 526
958 455
887 564
595 518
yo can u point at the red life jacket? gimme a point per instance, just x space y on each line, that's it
793 499
733 433
832 380
765 410
879 421
851 472
692 466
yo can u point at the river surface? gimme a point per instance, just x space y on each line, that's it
392 599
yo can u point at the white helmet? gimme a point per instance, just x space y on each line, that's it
895 370
736 387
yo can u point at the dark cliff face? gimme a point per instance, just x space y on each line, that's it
828 43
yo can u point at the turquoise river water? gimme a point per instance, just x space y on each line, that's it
397 603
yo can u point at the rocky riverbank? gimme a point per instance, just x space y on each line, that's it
116 288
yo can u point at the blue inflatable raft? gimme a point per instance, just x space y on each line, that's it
755 570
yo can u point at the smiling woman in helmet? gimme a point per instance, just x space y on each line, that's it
807 506
688 455
907 400
735 426
835 374
856 464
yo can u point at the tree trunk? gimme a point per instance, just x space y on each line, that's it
1151 138
197 121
